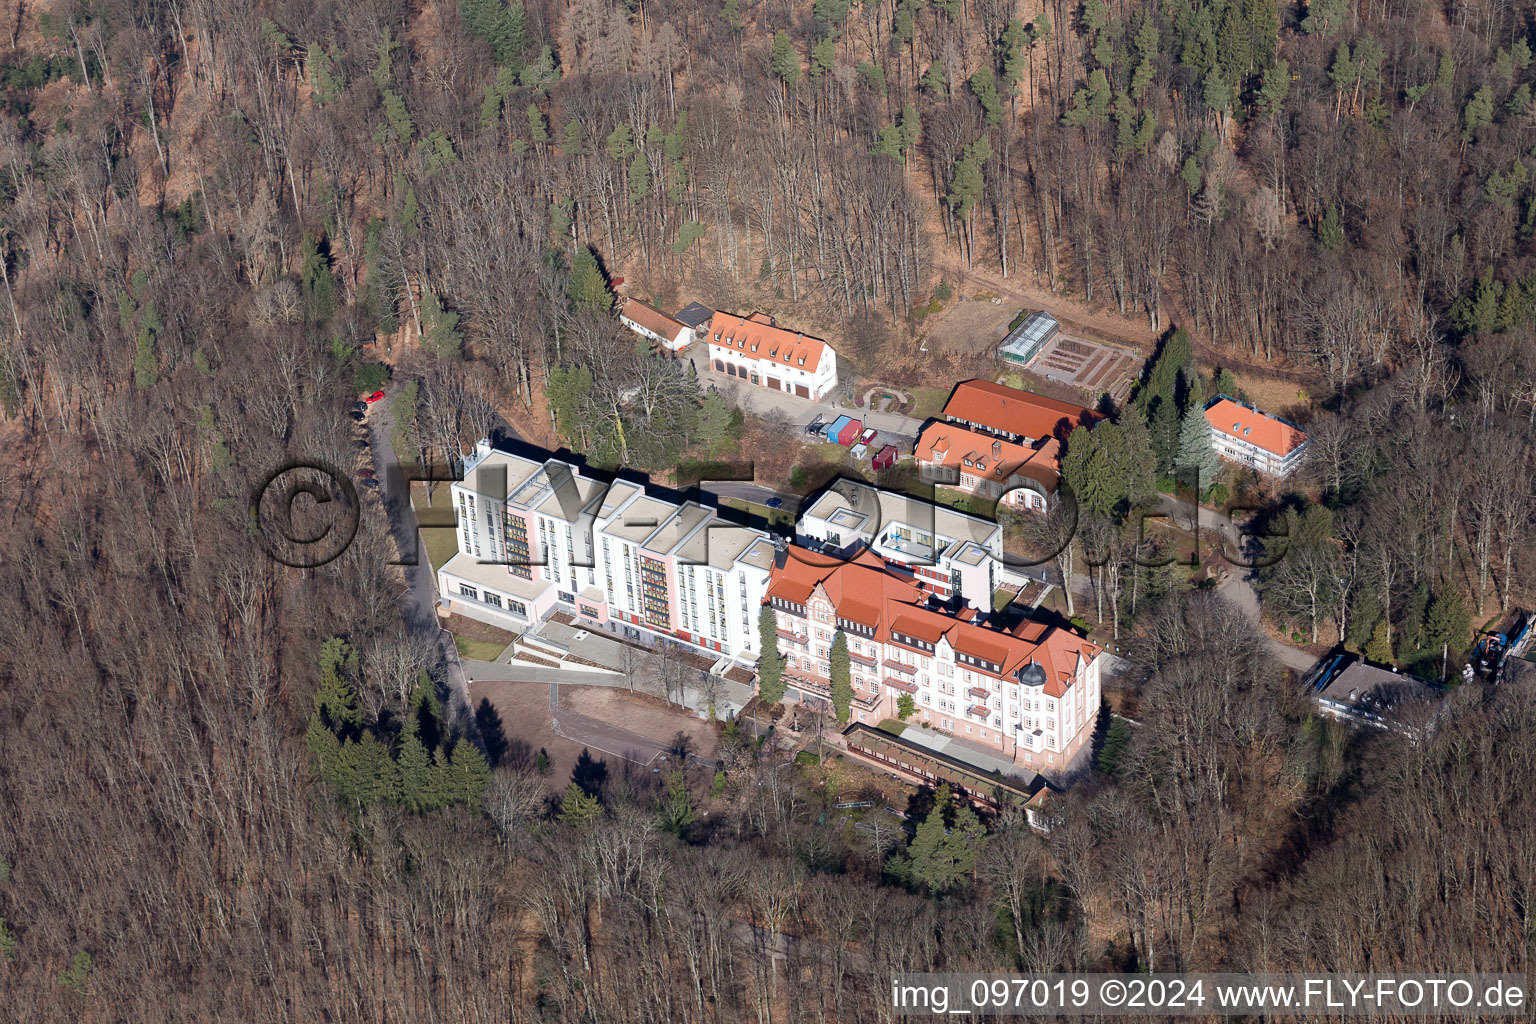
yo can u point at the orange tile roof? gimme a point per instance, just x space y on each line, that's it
758 337
1013 411
652 319
871 592
989 457
1257 428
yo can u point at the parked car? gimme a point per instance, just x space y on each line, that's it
356 415
774 503
814 427
374 397
868 436
371 483
359 406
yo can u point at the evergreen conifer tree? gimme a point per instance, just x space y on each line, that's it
770 664
842 683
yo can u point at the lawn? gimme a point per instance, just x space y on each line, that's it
478 650
928 402
438 529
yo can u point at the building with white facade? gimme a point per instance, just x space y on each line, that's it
954 554
759 351
540 536
1031 694
1250 437
650 322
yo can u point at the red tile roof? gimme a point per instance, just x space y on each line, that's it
1013 411
758 337
992 458
1257 428
652 319
871 592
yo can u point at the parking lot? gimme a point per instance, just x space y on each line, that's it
865 442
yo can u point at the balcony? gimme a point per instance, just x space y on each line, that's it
900 684
785 634
980 691
861 659
977 711
900 666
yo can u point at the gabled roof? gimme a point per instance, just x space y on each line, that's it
869 591
1244 422
977 454
652 319
758 337
1012 411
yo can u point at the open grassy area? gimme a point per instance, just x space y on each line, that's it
928 402
436 521
478 650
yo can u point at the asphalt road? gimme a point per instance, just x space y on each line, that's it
418 604
755 493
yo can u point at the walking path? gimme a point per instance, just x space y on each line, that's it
418 605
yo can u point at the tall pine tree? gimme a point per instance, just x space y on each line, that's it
1196 453
770 664
839 670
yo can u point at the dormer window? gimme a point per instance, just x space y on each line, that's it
802 360
773 353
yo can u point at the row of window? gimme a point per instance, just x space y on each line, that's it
494 599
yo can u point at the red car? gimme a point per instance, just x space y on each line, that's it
374 397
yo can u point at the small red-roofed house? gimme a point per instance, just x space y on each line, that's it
650 322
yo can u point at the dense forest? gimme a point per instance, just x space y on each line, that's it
216 220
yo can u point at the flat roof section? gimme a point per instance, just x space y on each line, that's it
494 576
640 519
500 472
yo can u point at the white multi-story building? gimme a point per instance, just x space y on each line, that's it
1031 694
540 536
954 555
759 351
1250 437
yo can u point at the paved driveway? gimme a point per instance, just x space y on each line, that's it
800 410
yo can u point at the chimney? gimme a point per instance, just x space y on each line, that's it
997 449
